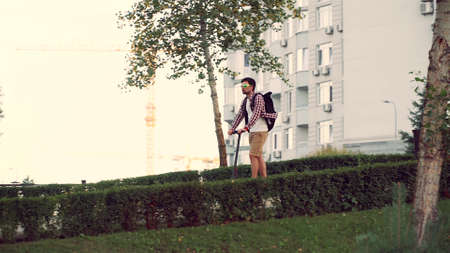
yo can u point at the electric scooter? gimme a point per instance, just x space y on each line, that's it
235 170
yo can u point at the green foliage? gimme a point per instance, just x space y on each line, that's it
83 213
398 234
416 114
57 189
193 203
37 190
27 180
9 219
331 233
184 176
36 216
299 165
304 164
328 151
194 36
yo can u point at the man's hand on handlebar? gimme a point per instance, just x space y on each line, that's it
239 131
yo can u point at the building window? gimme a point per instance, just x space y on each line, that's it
289 138
246 60
302 24
288 101
290 28
325 132
324 54
290 63
301 97
275 141
325 93
325 16
302 59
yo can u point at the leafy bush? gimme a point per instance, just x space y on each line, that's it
299 165
57 189
327 151
195 203
184 176
305 164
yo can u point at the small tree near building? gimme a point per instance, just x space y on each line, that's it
195 37
415 115
27 180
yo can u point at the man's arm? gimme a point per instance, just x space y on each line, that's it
238 117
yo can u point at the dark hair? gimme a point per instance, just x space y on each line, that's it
250 81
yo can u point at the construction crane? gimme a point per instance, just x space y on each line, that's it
150 122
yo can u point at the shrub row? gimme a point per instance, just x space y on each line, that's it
194 203
57 189
305 164
183 176
244 171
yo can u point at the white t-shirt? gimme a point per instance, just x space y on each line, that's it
260 124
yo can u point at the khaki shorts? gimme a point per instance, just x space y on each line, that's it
257 140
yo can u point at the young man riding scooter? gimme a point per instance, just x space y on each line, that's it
253 108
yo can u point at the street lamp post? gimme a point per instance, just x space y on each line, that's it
395 115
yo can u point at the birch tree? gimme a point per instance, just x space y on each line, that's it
435 124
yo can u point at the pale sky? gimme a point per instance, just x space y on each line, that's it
66 119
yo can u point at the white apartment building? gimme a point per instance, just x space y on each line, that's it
348 63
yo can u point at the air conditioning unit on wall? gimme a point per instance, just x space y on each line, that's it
276 153
315 72
339 27
327 108
285 118
283 42
426 8
325 70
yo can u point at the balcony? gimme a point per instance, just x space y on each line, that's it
229 113
302 78
302 115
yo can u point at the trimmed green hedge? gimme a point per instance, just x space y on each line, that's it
194 203
299 165
305 164
58 189
36 190
183 176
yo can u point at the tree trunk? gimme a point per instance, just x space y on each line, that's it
432 137
212 84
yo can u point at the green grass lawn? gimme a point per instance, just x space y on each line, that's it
327 233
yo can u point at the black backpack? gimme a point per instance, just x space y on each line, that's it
268 104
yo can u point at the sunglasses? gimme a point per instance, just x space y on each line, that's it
245 85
